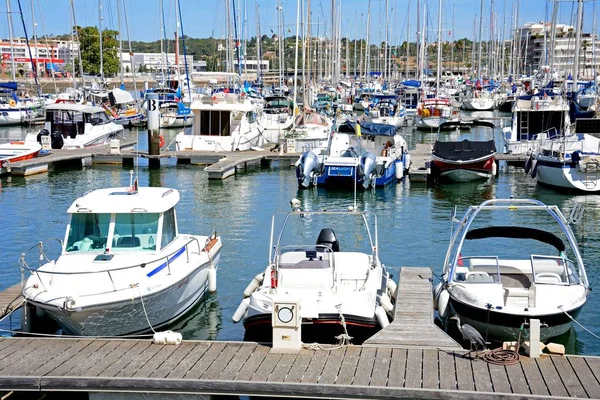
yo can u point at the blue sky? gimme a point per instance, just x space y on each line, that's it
204 18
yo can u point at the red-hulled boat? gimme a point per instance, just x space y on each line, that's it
465 160
17 151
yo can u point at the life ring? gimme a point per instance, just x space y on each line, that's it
12 103
161 141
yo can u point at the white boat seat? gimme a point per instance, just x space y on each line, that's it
306 264
548 277
478 277
128 241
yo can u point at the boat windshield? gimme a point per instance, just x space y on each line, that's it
88 232
135 231
99 118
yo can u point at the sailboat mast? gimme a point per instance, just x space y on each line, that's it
439 50
35 43
385 46
407 42
100 36
10 36
452 40
418 43
296 54
258 44
368 46
78 41
577 45
130 52
121 69
480 40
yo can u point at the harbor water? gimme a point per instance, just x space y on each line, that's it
414 223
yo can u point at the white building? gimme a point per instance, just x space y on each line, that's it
47 52
540 50
157 61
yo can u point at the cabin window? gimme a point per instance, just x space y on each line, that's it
135 231
88 232
215 123
99 118
251 116
169 230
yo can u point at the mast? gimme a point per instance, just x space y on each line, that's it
439 50
355 37
78 41
35 43
407 42
187 75
296 54
452 39
503 51
553 33
418 43
368 46
71 52
177 47
480 40
100 36
130 52
10 35
121 69
385 48
577 45
258 44
33 63
360 67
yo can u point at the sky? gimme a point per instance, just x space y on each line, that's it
206 18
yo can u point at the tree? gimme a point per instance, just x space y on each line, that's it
90 50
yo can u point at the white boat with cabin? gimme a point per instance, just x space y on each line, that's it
123 265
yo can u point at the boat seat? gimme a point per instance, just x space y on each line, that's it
478 277
128 241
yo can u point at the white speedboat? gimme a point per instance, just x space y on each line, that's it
534 120
569 162
174 114
17 151
123 265
222 122
386 110
431 113
342 286
497 277
311 131
76 126
277 115
479 101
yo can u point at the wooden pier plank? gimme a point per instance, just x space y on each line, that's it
22 357
282 368
252 363
128 364
349 364
583 372
551 377
414 368
173 360
499 377
313 371
431 370
568 376
50 366
157 359
19 346
534 377
205 362
78 358
464 372
332 366
481 376
266 367
381 367
447 370
93 360
39 360
594 364
365 366
221 362
516 377
300 365
122 348
200 348
397 368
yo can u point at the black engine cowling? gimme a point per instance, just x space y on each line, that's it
327 238
57 141
43 132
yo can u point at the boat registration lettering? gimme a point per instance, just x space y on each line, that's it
340 171
154 287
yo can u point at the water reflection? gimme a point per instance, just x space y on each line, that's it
202 322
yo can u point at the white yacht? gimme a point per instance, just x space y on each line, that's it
277 116
76 126
479 101
431 113
222 122
499 275
311 131
123 265
342 286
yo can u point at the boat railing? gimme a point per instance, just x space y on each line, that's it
550 270
474 269
165 259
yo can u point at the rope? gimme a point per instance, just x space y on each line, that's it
144 308
72 336
581 326
318 346
344 338
500 356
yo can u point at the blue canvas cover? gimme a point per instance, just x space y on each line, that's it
368 128
8 85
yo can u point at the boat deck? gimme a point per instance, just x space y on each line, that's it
253 369
413 324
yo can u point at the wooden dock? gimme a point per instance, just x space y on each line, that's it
413 324
10 300
235 368
419 169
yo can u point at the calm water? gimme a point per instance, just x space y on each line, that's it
414 223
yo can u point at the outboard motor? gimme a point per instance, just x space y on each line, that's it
368 164
327 238
43 132
56 140
307 167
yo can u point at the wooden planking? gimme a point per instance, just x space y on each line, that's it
464 372
188 361
568 376
551 377
499 377
207 359
365 366
381 367
247 370
283 368
516 377
122 349
302 361
348 367
266 367
221 362
153 363
236 362
10 299
82 367
583 372
594 365
313 371
447 370
431 369
534 377
332 366
47 356
396 376
414 359
481 376
131 360
173 360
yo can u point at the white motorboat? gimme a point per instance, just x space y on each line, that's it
386 110
174 114
431 113
479 101
17 151
311 131
497 277
222 122
123 265
569 162
342 286
76 126
534 120
277 115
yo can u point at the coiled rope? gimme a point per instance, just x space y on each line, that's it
500 356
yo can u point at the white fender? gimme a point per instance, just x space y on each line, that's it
212 279
494 168
436 295
392 287
254 284
399 170
443 300
385 302
167 337
241 310
406 163
381 317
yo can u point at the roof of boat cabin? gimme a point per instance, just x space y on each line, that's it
123 200
74 107
220 104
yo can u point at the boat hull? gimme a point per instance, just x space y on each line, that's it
18 151
478 104
127 316
562 175
258 328
506 326
12 116
178 121
464 171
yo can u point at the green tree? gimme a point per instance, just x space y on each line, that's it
90 50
